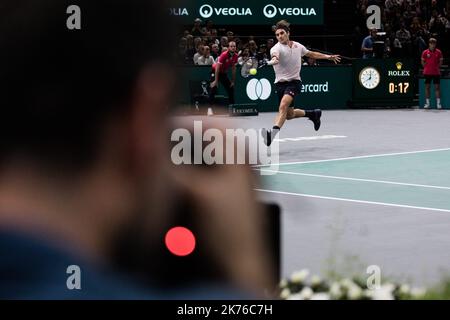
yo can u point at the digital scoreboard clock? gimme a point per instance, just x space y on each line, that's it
382 83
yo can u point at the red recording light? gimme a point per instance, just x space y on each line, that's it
180 241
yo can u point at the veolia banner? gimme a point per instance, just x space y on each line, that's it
250 12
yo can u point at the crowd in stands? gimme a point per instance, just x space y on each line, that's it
203 44
409 24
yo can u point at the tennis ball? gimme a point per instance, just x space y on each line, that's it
253 71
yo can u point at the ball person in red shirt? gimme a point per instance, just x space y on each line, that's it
432 61
228 59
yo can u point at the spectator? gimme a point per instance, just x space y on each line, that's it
418 35
190 48
397 49
437 24
397 20
197 28
197 41
252 49
198 54
208 38
243 56
408 14
230 36
60 205
310 62
208 27
206 59
367 44
215 51
357 39
238 41
223 43
214 36
262 54
415 27
205 41
390 5
84 170
419 44
404 36
269 44
182 53
421 18
432 62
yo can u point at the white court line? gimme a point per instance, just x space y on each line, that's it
357 157
352 200
356 179
312 138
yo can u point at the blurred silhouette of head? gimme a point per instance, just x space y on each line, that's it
80 110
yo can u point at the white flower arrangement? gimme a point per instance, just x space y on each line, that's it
306 293
335 291
285 293
299 287
321 296
355 293
300 276
283 283
417 293
404 289
315 281
386 292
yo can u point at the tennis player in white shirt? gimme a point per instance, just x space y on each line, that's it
286 59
